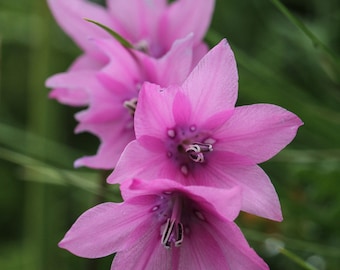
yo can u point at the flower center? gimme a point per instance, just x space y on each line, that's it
188 147
173 232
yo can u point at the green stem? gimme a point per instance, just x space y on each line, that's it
36 235
299 24
296 259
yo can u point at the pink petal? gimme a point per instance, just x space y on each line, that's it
148 253
200 50
212 85
201 251
181 109
258 194
74 97
86 62
70 16
137 18
216 121
123 66
154 111
105 104
184 17
258 131
107 228
106 118
112 144
71 88
141 162
226 202
173 67
236 250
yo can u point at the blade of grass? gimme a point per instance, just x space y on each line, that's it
293 257
299 24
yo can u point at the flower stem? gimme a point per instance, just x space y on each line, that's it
299 24
296 259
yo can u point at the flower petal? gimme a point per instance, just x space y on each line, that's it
71 88
148 253
181 108
258 131
201 251
258 193
86 62
123 66
212 85
70 16
184 17
111 146
138 18
106 228
173 67
154 111
236 250
226 202
139 161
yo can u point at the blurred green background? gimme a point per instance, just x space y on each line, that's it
41 194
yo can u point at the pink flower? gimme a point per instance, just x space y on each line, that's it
193 133
164 225
152 26
114 92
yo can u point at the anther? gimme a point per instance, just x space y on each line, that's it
131 105
166 241
142 46
173 232
179 235
196 151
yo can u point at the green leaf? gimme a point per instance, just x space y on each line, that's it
118 37
299 24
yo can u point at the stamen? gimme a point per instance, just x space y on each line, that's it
196 150
166 241
131 105
172 233
142 46
179 235
174 230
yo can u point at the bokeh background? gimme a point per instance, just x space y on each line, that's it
41 194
